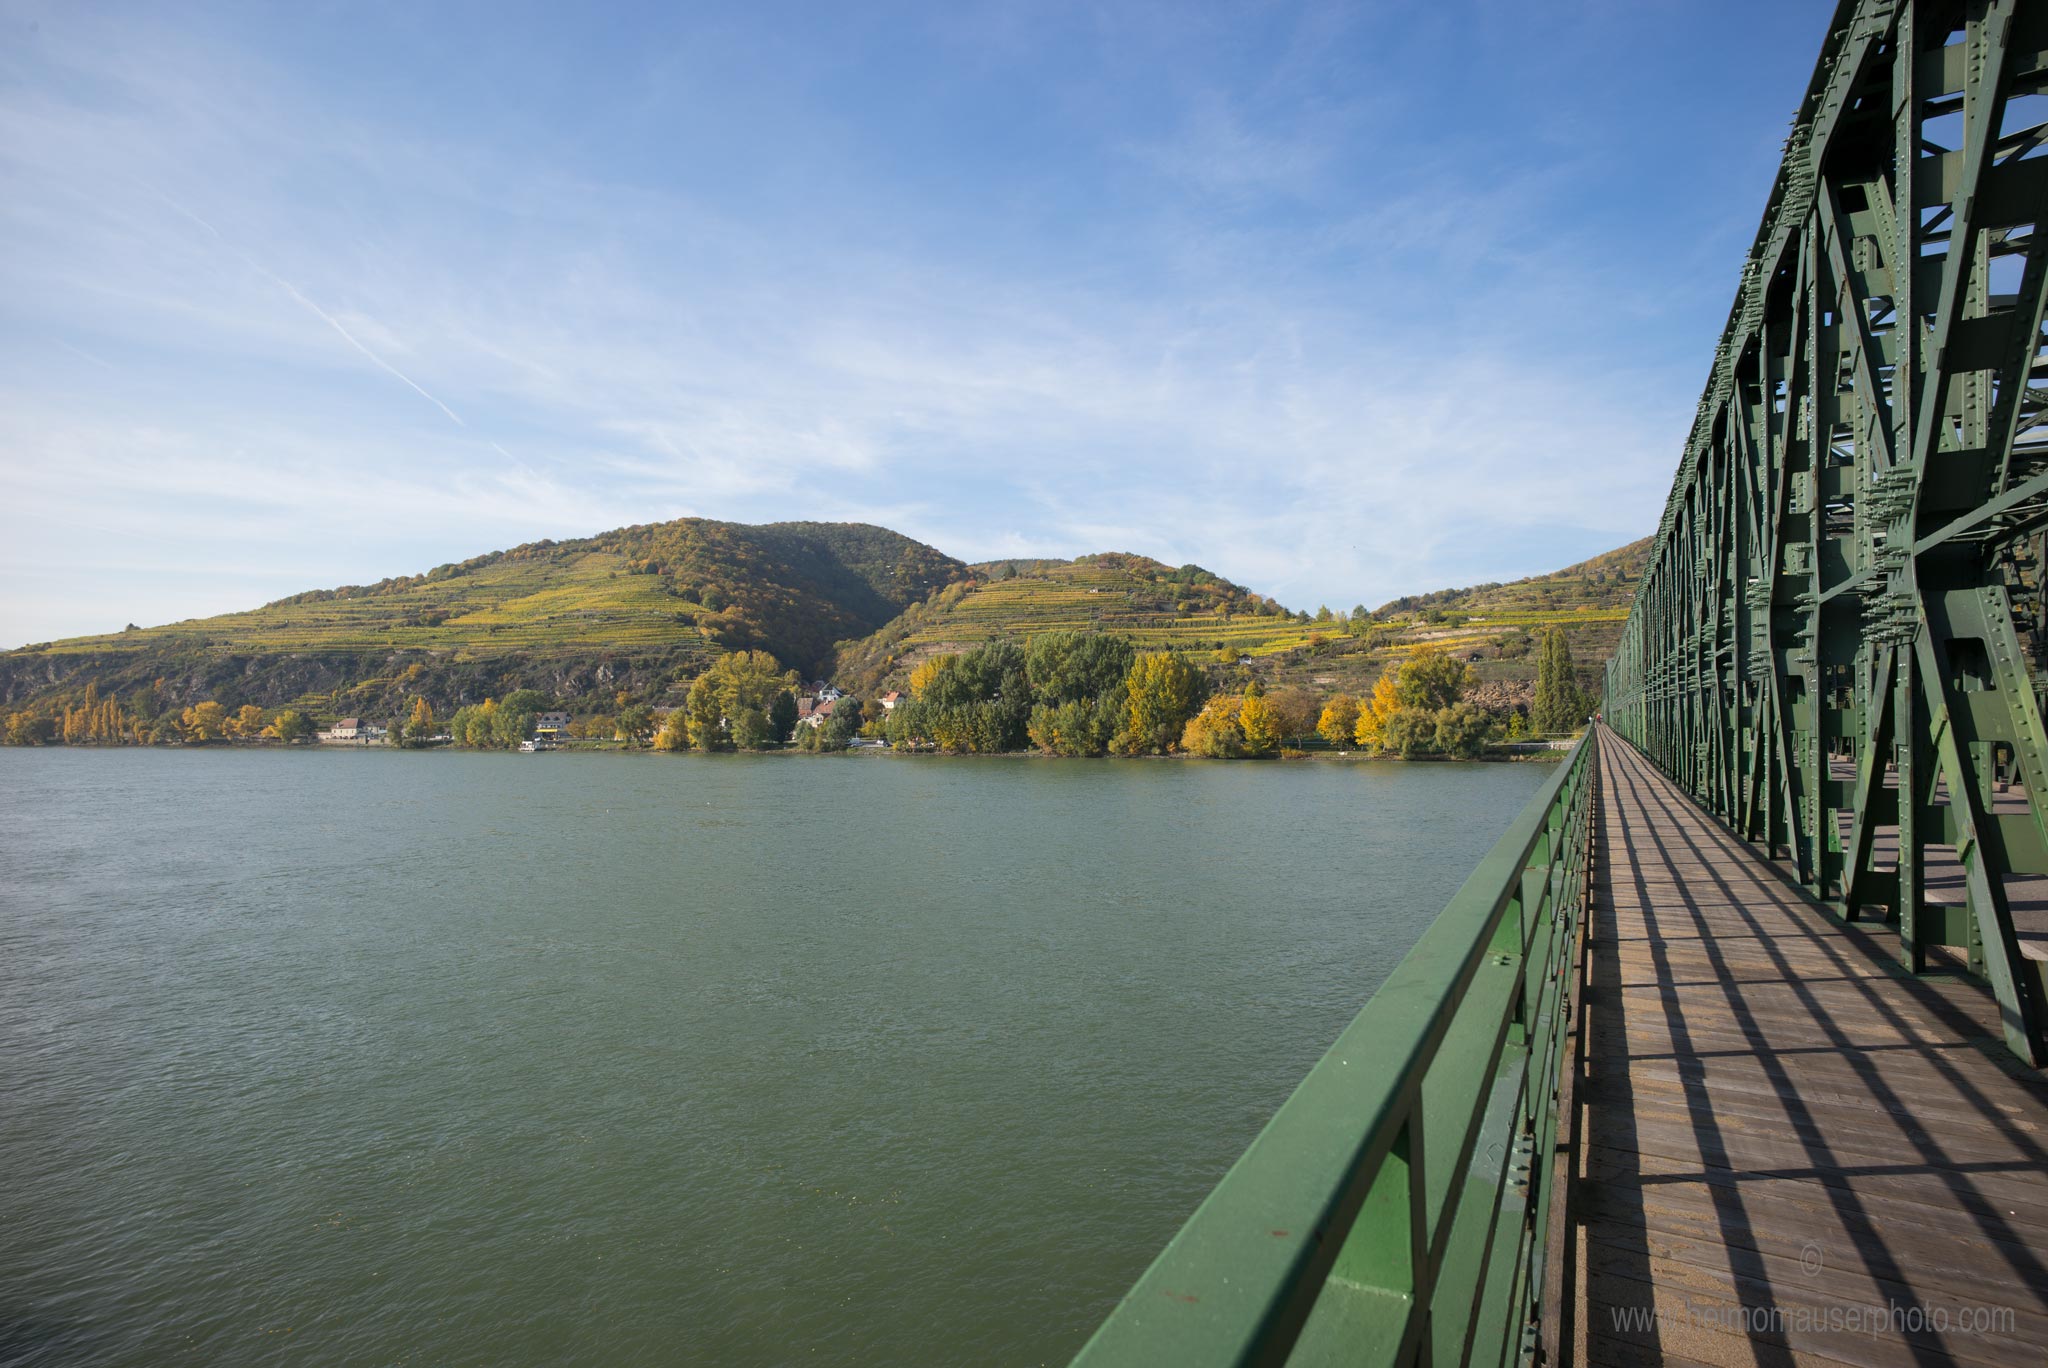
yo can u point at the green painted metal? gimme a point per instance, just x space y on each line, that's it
1837 646
1394 1209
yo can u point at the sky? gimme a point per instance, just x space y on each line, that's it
1342 301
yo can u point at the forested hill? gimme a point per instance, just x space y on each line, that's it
631 609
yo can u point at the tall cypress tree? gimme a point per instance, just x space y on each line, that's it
1560 705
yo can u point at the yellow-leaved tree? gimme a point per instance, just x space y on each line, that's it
204 722
1256 720
929 672
1338 724
1374 712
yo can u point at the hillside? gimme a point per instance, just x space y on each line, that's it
1606 582
1155 604
1495 626
640 609
628 609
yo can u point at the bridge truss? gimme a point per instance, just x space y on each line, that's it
1838 643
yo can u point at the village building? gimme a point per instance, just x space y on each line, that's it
551 724
891 699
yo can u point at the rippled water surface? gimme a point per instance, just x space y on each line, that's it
375 1058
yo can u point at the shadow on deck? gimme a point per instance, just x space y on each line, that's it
1790 1151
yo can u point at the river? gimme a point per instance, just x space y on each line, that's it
364 1057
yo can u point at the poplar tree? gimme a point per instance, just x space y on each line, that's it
1560 704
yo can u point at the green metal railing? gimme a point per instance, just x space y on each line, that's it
1397 1206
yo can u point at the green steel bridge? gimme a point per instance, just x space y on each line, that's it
1730 1051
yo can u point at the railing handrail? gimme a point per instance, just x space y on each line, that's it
1244 1277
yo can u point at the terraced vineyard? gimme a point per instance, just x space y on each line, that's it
633 611
1156 605
1495 627
637 610
577 602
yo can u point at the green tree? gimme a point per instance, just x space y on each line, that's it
978 703
1430 679
728 704
782 716
1462 730
511 726
1068 667
1163 691
1079 726
636 720
290 725
1409 732
526 700
1560 704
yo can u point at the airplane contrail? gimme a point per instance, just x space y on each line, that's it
318 312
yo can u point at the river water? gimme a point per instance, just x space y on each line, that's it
362 1057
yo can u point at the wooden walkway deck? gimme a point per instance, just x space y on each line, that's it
1789 1151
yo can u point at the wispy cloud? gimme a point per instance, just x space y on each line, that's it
1166 297
298 297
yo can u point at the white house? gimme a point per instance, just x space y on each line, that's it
890 700
551 724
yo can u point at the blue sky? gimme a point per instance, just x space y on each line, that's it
1341 301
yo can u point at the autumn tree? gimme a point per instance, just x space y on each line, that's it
247 723
1376 711
1163 691
1256 720
1217 731
29 729
930 672
1338 723
204 722
418 729
674 732
1295 712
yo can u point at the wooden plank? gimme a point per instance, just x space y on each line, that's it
1779 1121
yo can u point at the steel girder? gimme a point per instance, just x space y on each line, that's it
1837 644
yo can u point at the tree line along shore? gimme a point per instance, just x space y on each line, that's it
1069 693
